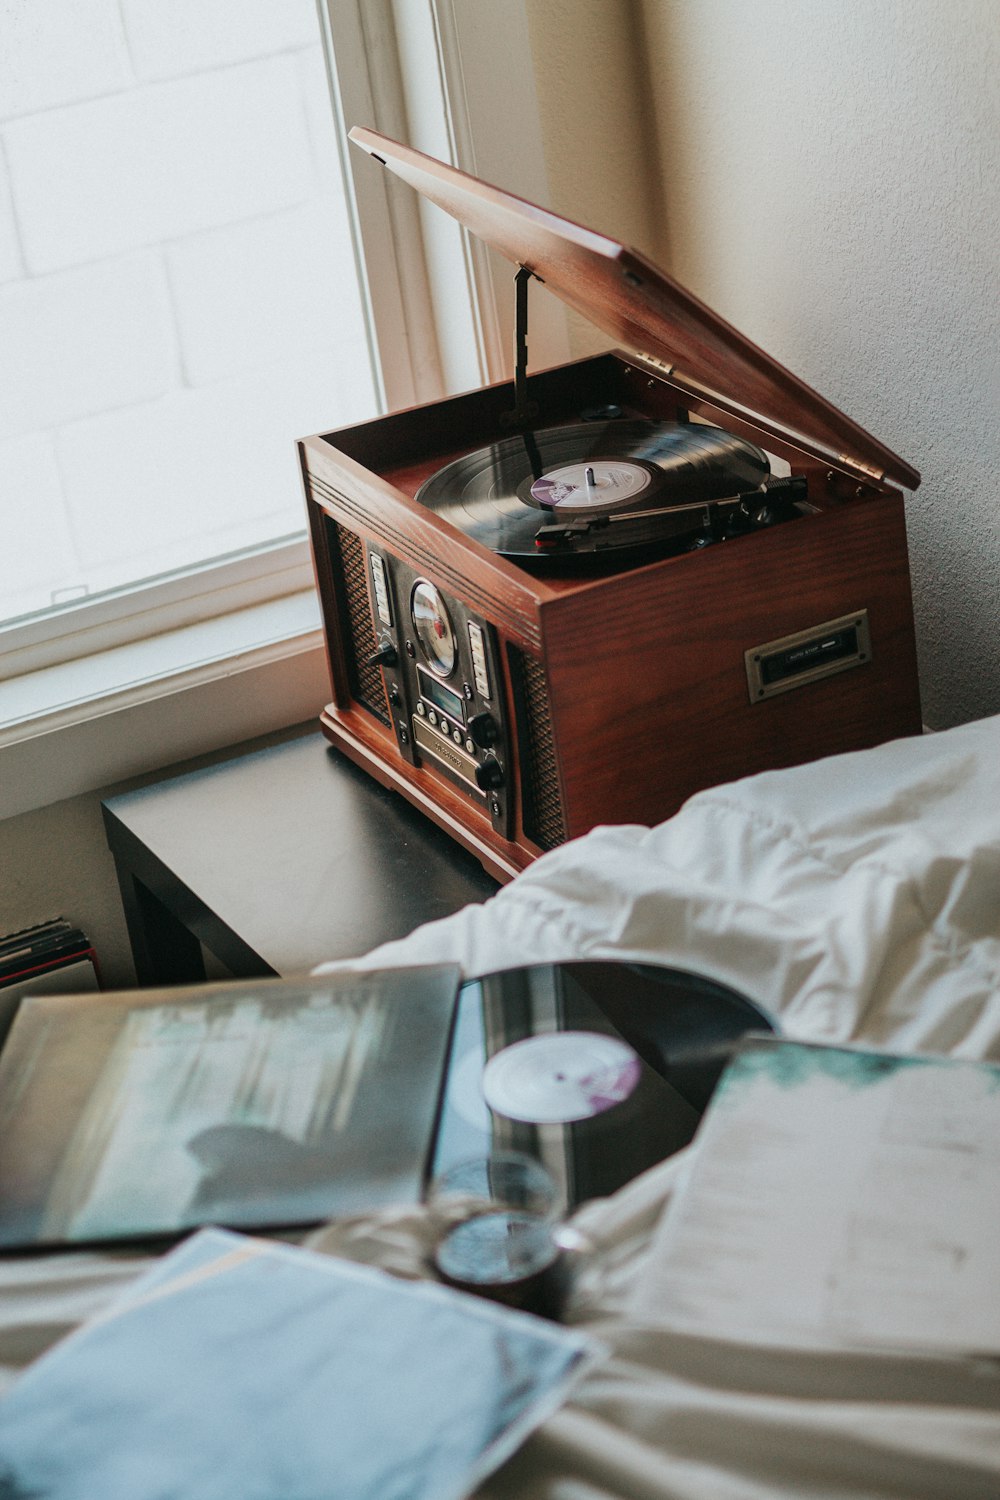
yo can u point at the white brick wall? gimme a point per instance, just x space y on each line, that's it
168 38
158 162
37 553
58 51
230 463
177 299
313 83
246 295
11 263
83 341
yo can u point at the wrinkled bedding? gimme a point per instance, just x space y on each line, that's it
857 899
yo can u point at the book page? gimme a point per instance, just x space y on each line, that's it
838 1197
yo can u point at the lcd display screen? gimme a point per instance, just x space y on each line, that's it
442 697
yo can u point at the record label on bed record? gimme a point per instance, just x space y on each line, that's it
556 1079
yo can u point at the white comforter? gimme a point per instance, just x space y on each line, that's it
856 899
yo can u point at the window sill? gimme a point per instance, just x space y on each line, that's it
85 724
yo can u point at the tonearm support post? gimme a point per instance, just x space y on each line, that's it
524 411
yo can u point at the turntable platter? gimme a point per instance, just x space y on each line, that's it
645 474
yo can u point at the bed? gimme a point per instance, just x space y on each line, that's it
856 899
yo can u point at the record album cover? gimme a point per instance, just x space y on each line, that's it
242 1370
258 1104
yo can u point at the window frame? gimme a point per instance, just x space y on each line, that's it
437 305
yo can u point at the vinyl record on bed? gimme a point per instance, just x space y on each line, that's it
600 1068
556 1079
503 494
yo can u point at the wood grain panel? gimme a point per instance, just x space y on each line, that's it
647 675
647 692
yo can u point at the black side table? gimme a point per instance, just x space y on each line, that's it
275 860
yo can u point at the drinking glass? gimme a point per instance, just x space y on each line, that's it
495 1224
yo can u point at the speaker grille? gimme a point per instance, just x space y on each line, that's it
347 554
541 804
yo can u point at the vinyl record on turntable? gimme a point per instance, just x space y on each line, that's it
599 1069
643 476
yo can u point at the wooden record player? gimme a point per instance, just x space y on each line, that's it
520 705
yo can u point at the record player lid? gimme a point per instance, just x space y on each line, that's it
630 298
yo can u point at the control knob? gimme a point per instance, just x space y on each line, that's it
384 655
484 730
489 774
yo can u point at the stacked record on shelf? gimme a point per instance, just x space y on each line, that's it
50 956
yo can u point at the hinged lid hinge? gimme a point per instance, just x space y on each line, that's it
854 468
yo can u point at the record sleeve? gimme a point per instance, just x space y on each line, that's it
260 1104
238 1368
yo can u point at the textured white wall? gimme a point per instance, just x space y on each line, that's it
825 173
831 176
594 116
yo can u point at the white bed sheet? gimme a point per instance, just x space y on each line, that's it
857 899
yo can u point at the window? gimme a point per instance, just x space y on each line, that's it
195 269
178 293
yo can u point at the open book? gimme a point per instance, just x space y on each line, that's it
838 1198
257 1104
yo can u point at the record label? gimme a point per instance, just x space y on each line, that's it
598 485
553 1080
